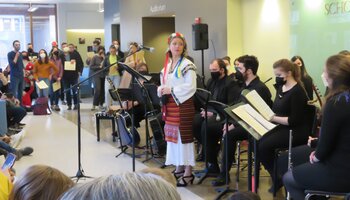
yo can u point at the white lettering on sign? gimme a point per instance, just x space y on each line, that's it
157 8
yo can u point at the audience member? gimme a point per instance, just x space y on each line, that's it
126 186
15 61
32 55
96 65
44 69
28 88
248 195
15 113
134 58
40 182
113 74
56 78
119 53
6 184
70 77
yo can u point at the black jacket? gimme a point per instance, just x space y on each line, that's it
72 75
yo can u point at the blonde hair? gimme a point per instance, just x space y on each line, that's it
40 182
167 176
124 187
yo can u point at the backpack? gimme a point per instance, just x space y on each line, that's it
41 106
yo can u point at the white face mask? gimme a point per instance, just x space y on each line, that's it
66 49
42 55
116 46
325 83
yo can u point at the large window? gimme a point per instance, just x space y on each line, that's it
17 23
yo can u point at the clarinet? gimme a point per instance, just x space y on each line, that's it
290 164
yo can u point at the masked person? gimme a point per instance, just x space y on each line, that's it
96 65
224 90
246 74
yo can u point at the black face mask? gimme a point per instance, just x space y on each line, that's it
30 50
215 75
280 81
239 76
55 53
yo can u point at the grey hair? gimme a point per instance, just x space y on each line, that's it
124 187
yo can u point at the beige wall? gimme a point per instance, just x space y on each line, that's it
154 36
266 33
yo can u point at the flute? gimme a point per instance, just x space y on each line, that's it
290 156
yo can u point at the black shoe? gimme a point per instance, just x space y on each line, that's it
75 107
26 151
177 175
213 169
185 180
69 107
220 181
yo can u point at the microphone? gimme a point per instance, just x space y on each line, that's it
150 49
268 80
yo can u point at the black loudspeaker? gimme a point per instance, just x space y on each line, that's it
200 36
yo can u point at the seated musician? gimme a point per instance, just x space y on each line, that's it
224 90
328 166
139 108
290 108
246 73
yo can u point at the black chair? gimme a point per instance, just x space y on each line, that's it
105 116
310 193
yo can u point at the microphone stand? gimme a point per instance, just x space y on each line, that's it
80 173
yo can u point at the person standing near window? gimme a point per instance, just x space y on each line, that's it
15 61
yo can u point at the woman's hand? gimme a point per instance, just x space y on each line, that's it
165 90
313 158
310 140
230 127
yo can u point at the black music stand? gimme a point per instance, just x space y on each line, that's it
202 96
135 76
80 172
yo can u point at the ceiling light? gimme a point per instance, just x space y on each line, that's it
32 8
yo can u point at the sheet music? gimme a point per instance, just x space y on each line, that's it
241 112
250 110
69 66
41 85
56 86
259 104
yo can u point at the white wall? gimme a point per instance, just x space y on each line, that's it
77 16
266 33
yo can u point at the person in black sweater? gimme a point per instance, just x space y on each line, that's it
70 77
246 73
305 78
329 166
290 106
224 90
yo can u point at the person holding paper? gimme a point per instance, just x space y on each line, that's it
246 73
290 108
178 85
55 83
223 89
70 77
96 65
132 61
328 168
43 71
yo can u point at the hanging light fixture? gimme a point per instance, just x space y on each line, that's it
32 8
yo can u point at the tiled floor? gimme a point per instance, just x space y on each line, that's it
54 139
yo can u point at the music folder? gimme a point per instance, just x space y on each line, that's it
253 122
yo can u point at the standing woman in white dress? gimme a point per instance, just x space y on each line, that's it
178 85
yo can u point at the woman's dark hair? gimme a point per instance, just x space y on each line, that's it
227 58
46 57
112 47
101 48
221 64
302 67
134 44
338 69
344 52
137 68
